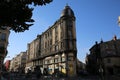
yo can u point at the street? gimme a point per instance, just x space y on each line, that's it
31 76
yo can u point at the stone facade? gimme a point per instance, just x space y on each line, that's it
105 55
33 53
55 49
4 34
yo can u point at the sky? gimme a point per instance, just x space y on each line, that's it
95 20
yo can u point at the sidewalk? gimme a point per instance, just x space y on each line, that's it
71 78
113 77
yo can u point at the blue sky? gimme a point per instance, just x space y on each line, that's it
95 19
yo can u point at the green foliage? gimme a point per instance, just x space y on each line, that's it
17 14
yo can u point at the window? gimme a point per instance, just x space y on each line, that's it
46 62
106 46
50 49
50 33
70 33
48 43
56 34
56 39
56 60
51 42
45 36
56 48
3 37
62 45
108 60
70 58
70 45
56 29
63 59
51 61
61 33
2 45
69 12
45 44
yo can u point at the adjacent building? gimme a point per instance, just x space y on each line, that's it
4 34
105 57
18 63
7 65
55 49
33 52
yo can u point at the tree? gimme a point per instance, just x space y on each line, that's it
17 14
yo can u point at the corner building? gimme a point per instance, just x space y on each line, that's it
57 50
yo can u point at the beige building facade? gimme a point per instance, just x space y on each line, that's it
18 63
55 49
